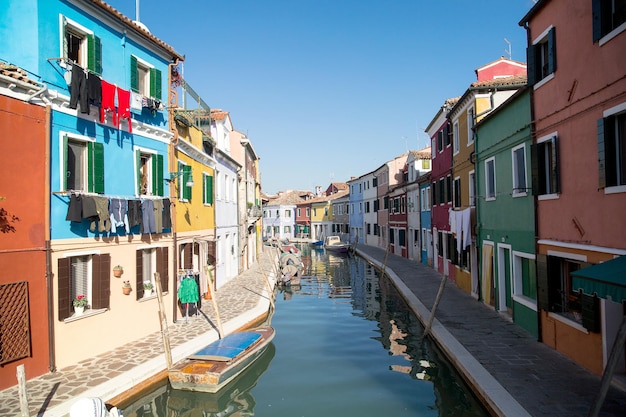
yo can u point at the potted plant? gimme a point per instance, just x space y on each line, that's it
118 270
126 288
147 288
80 302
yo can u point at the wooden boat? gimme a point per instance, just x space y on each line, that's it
317 243
335 244
218 363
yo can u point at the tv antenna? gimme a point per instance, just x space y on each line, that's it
508 49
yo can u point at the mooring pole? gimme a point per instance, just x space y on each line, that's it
21 381
434 309
163 321
214 301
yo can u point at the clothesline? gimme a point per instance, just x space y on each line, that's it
87 193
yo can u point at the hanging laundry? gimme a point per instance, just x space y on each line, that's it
466 218
108 103
167 215
94 89
158 215
78 89
119 216
102 218
75 209
188 290
136 101
123 107
90 211
147 218
134 213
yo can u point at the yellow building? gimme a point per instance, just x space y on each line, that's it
192 173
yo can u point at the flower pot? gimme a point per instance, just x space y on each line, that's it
118 273
126 290
147 293
78 311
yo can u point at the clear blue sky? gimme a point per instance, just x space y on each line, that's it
330 89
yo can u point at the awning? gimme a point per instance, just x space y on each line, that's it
607 279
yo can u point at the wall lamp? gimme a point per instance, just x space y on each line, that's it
178 174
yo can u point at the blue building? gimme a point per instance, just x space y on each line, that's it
107 80
356 187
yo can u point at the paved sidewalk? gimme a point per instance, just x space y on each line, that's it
241 301
516 374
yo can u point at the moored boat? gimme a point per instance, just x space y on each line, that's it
335 244
218 363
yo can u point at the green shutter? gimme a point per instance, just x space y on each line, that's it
552 51
134 81
531 65
590 312
596 11
543 298
554 165
157 175
138 170
95 167
155 83
186 177
65 163
94 54
208 189
601 153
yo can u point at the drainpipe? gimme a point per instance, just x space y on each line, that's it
47 231
172 168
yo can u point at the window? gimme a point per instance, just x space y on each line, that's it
545 166
83 274
449 189
442 191
287 229
184 182
207 189
608 15
524 276
446 135
144 78
470 125
556 295
288 213
81 46
472 189
149 261
149 173
440 141
83 162
308 212
519 171
425 198
426 164
456 144
402 237
612 149
375 181
490 179
457 192
541 57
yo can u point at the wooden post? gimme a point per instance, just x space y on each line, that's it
21 381
217 312
163 321
432 312
607 376
270 291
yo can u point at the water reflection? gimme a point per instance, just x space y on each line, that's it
234 399
347 344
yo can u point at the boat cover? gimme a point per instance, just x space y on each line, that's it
227 348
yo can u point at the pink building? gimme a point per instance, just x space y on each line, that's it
576 70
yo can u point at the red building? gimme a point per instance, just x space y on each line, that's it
24 284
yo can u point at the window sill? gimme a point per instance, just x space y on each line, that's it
543 81
548 197
615 190
525 301
568 322
87 313
612 34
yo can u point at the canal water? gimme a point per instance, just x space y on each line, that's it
346 345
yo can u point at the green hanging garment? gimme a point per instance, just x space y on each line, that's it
188 291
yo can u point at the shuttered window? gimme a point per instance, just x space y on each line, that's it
541 58
87 275
612 150
84 165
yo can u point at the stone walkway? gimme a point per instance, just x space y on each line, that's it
241 301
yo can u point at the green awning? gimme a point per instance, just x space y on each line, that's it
607 279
